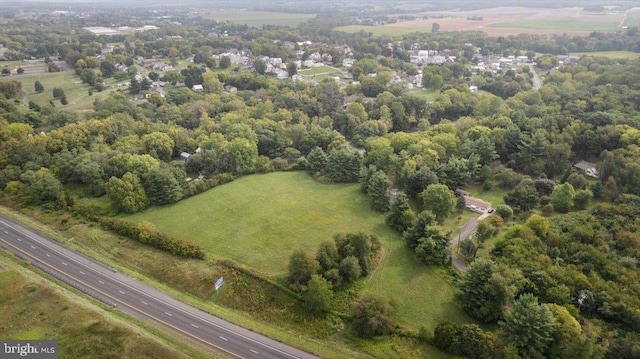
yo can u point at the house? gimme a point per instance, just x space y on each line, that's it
231 89
588 168
473 89
198 88
477 205
184 156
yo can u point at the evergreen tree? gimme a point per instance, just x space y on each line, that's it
378 191
38 86
401 215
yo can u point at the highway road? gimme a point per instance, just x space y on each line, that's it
138 299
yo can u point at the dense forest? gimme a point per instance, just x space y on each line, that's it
562 281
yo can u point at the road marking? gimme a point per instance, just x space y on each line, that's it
169 314
121 292
81 272
47 254
64 264
19 240
254 351
143 302
193 325
223 338
32 247
139 310
5 232
101 282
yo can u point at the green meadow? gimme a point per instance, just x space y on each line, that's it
609 54
256 18
260 220
382 30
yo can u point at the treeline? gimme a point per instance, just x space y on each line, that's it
146 233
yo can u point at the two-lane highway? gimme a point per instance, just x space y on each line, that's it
137 298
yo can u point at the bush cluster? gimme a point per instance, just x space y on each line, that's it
146 233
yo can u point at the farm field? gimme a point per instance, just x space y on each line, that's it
503 21
260 220
255 18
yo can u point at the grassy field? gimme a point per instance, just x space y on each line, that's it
255 18
261 228
260 220
633 18
382 30
609 54
77 93
33 309
318 70
582 23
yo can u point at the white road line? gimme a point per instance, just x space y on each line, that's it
169 314
81 272
64 264
5 232
19 240
223 338
32 247
121 292
193 325
143 302
101 282
254 351
47 254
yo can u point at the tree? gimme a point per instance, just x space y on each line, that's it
57 92
350 269
343 165
378 191
42 186
38 86
259 66
419 181
529 326
372 316
483 291
418 228
292 68
159 145
539 225
562 197
438 199
20 70
504 211
225 62
243 154
468 248
435 27
461 203
162 187
317 160
126 194
433 245
401 215
582 198
301 267
524 197
63 100
319 296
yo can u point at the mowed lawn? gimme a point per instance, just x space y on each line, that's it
423 294
260 220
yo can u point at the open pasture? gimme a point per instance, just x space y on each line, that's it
504 21
255 18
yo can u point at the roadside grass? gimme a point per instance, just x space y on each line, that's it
256 18
605 23
260 220
610 54
33 308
